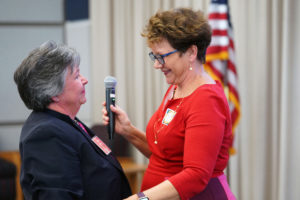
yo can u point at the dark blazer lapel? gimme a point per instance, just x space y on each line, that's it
68 120
110 157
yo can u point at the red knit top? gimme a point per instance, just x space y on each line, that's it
193 136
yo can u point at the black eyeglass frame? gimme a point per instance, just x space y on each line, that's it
160 58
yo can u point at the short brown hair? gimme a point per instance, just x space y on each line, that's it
182 27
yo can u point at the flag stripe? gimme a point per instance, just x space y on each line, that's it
216 49
231 67
218 32
231 78
214 72
219 41
217 8
217 16
234 92
219 24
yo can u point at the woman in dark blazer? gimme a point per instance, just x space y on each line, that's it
61 157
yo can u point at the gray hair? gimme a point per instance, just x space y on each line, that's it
42 74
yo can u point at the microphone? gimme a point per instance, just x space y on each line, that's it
110 84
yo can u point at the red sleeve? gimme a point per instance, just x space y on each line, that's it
205 120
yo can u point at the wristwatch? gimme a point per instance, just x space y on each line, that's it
142 196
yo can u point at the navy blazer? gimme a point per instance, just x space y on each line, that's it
60 161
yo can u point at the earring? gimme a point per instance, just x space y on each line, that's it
190 68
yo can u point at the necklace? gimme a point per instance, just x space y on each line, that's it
169 115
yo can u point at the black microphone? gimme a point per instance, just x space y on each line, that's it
110 84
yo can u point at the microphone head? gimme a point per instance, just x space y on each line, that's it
110 82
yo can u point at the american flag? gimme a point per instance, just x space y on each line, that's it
220 56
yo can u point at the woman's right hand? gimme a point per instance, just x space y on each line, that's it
122 122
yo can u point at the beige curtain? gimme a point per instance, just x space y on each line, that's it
267 56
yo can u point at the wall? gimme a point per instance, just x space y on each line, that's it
24 25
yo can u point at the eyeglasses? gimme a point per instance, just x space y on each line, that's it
160 58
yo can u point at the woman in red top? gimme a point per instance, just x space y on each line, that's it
188 137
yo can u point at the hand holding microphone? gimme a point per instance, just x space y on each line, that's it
110 84
116 119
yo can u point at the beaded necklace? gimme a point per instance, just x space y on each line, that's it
156 122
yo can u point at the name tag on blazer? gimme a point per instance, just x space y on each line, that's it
101 145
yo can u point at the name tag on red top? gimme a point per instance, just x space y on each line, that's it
101 145
169 115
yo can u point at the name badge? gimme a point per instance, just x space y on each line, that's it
101 145
169 115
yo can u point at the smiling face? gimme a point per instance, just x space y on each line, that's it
176 65
73 95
